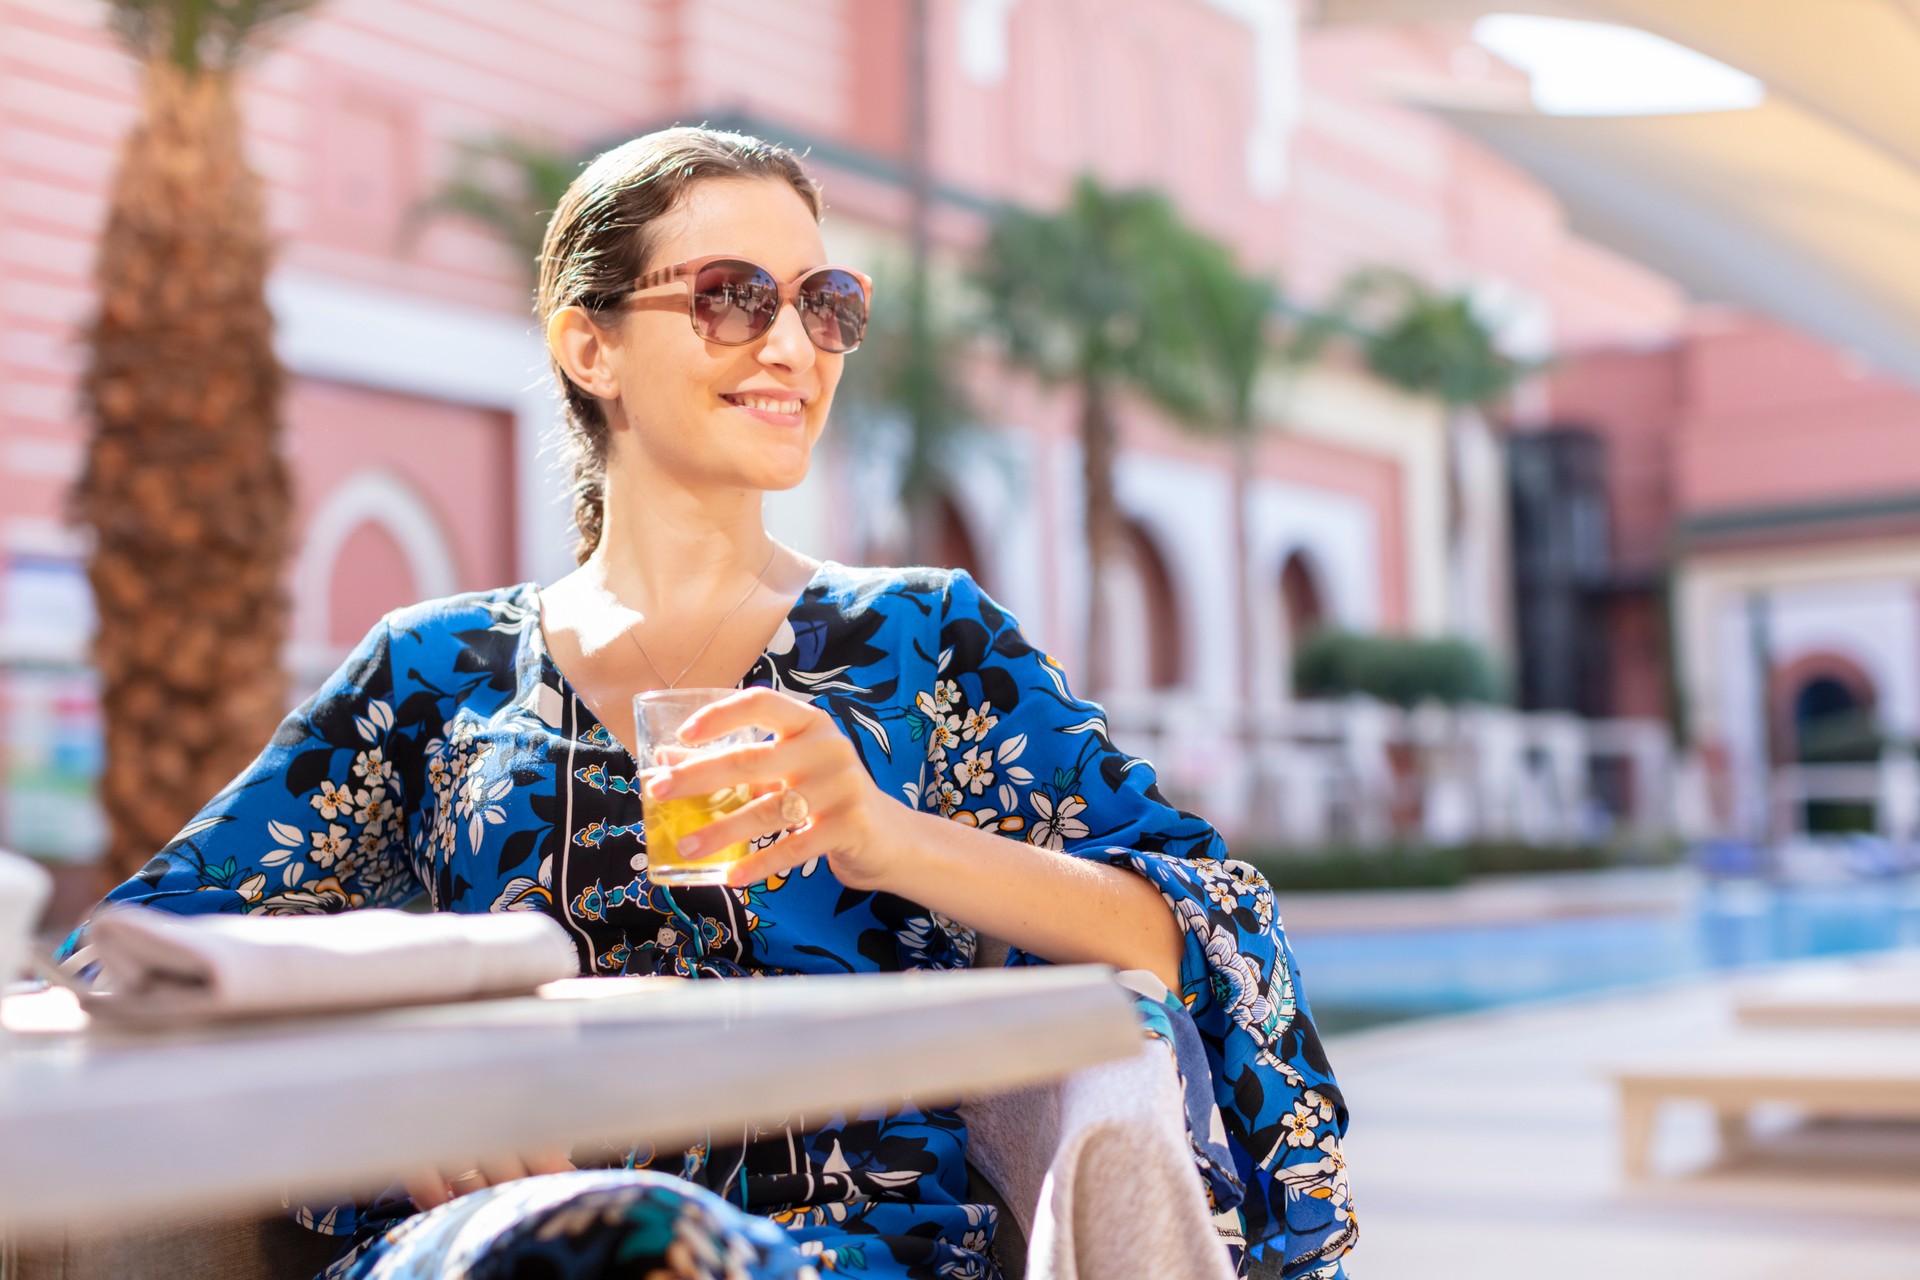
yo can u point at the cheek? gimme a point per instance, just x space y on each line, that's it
667 364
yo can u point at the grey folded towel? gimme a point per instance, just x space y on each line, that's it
158 967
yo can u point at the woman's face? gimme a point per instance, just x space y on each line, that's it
713 415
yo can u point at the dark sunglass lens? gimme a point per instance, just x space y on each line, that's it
733 302
833 308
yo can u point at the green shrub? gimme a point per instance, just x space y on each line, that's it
1426 867
1397 669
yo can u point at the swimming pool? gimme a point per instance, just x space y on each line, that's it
1362 979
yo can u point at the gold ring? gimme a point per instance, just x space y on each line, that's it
793 808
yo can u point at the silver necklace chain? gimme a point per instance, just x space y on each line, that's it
633 633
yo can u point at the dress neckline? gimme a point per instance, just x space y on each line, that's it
565 686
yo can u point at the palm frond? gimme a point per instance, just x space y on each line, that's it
509 184
1422 340
201 35
908 370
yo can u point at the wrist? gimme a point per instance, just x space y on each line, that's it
901 838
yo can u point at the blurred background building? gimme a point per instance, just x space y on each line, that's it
1689 542
418 405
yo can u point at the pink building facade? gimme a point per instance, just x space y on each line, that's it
1774 483
418 414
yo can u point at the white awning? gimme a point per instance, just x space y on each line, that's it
1854 63
1811 213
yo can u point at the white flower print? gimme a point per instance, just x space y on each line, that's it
1221 894
946 694
1297 1127
370 839
951 796
329 846
978 724
331 799
1312 1100
1059 821
975 770
472 793
372 767
943 729
371 805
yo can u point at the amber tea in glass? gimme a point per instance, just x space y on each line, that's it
658 715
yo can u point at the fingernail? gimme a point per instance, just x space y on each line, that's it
691 846
660 786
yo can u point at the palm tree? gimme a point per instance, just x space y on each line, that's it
1424 341
184 489
1091 296
1429 343
908 375
1235 317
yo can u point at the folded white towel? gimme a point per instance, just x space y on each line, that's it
159 967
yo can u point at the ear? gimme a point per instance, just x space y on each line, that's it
579 346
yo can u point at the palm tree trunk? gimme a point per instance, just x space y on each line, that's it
184 488
1243 462
1097 445
920 541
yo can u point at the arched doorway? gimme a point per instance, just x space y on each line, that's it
1144 633
1824 712
949 539
1300 596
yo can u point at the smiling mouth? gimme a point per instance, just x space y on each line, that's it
767 404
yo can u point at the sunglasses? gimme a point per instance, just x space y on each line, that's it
733 302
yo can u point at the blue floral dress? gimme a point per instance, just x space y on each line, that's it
448 755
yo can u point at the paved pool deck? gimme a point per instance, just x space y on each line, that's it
1494 900
1486 1146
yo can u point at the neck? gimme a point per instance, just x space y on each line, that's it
682 562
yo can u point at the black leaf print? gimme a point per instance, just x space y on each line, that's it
968 640
1000 688
822 953
516 849
308 770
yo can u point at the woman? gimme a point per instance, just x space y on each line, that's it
928 770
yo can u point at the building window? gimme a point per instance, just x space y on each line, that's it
1300 597
1143 606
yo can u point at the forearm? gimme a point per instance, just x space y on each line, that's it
1061 908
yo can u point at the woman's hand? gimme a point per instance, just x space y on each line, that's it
850 821
431 1188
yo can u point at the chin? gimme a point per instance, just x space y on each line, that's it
773 475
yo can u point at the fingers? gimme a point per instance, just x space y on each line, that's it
750 821
427 1188
501 1169
757 708
764 764
778 857
431 1188
555 1160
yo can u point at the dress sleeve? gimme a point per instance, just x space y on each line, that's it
1010 749
316 824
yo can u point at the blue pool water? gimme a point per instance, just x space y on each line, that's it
1361 979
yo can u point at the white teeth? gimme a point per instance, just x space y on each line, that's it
767 405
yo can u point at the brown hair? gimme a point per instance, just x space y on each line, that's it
598 243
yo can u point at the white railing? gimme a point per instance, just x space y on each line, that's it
1359 772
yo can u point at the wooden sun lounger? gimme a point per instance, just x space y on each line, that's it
1840 1073
1884 992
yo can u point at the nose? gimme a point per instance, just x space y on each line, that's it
786 345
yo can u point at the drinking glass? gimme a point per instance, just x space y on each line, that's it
658 715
